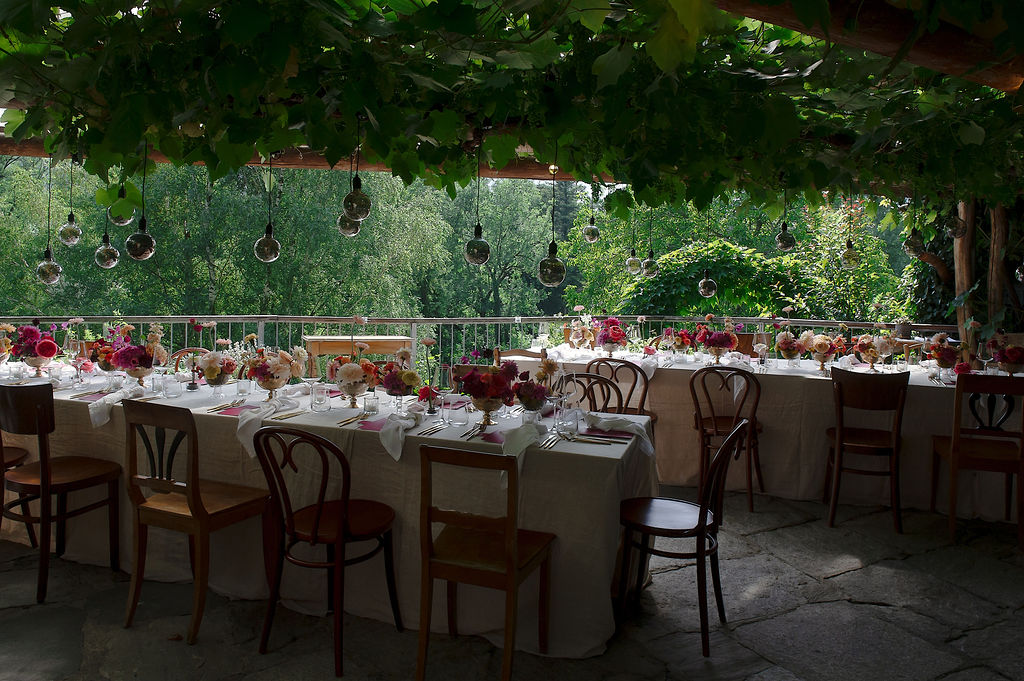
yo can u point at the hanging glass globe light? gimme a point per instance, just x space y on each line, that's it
70 233
649 267
141 245
591 233
106 255
784 240
707 286
633 264
356 203
850 258
120 220
956 228
913 245
551 270
478 251
267 248
347 226
48 271
1019 273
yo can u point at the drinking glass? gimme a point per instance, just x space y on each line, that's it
371 404
984 355
443 386
243 387
458 417
172 387
17 371
320 397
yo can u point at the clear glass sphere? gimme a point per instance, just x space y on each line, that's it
356 204
913 245
1019 273
591 233
106 255
121 220
551 270
347 226
267 248
955 227
707 287
649 267
140 245
70 233
850 257
478 251
633 264
784 240
48 271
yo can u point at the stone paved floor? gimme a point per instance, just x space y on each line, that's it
805 602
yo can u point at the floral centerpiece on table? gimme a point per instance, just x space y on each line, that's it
34 347
611 334
717 343
864 345
354 376
1010 358
137 360
940 350
490 387
823 348
218 365
547 371
787 345
399 380
272 370
5 342
531 395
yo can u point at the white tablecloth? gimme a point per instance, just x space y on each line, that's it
572 491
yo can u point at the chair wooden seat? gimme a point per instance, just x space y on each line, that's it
666 517
871 440
980 453
366 519
67 473
482 550
723 424
218 498
658 517
14 456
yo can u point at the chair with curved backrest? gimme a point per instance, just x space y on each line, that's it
28 410
476 549
177 499
990 441
866 392
287 457
591 391
12 457
722 397
176 357
676 519
631 380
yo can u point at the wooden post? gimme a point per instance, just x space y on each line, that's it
996 278
963 267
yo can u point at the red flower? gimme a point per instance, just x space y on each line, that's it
962 368
46 348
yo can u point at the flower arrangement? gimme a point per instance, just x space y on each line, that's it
5 341
864 345
491 384
153 345
1004 353
398 380
726 340
31 343
346 370
132 357
529 393
217 366
611 333
939 349
547 370
787 345
962 368
822 349
269 368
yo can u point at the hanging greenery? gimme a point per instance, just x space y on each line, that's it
674 97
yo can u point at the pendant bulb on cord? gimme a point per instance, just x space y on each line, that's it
356 204
633 265
267 248
784 240
649 267
477 251
70 233
48 271
106 255
707 287
591 233
141 245
117 213
551 270
850 258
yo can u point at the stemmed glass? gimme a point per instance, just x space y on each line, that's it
310 380
443 386
984 355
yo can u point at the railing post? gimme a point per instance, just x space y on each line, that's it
260 325
412 334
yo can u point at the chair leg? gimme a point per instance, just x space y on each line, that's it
1008 503
273 565
330 578
952 501
29 528
451 590
894 493
338 604
389 575
1020 516
837 476
702 597
544 607
426 604
641 563
627 546
716 581
827 494
192 556
202 576
114 524
750 479
61 522
756 452
140 534
45 520
935 480
509 649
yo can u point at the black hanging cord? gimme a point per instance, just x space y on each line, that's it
555 166
351 162
359 139
145 162
650 228
478 147
49 195
71 192
270 185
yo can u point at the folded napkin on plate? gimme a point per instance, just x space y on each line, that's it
392 435
846 362
649 365
249 421
608 423
518 439
99 411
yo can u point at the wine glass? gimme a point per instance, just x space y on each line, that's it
443 386
984 355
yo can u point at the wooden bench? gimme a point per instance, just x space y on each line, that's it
345 345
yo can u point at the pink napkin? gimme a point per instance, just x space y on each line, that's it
93 397
377 425
334 393
457 402
497 437
613 434
235 411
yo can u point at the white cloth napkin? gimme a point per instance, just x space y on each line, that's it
392 435
606 422
250 420
846 361
294 390
99 411
517 440
649 365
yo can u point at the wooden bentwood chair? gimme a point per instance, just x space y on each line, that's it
983 444
482 550
333 523
591 391
866 392
177 356
190 504
28 410
631 380
673 518
722 397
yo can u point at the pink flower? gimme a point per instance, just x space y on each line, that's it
578 308
359 319
222 341
648 350
641 319
429 342
708 317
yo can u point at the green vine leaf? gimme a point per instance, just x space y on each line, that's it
612 64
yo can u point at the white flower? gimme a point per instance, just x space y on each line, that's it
351 373
783 336
788 308
806 340
760 348
209 325
76 320
300 354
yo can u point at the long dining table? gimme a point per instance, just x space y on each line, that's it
796 407
572 490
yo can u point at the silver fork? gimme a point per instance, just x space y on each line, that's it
549 442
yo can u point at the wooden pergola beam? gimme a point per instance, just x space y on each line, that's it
878 27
